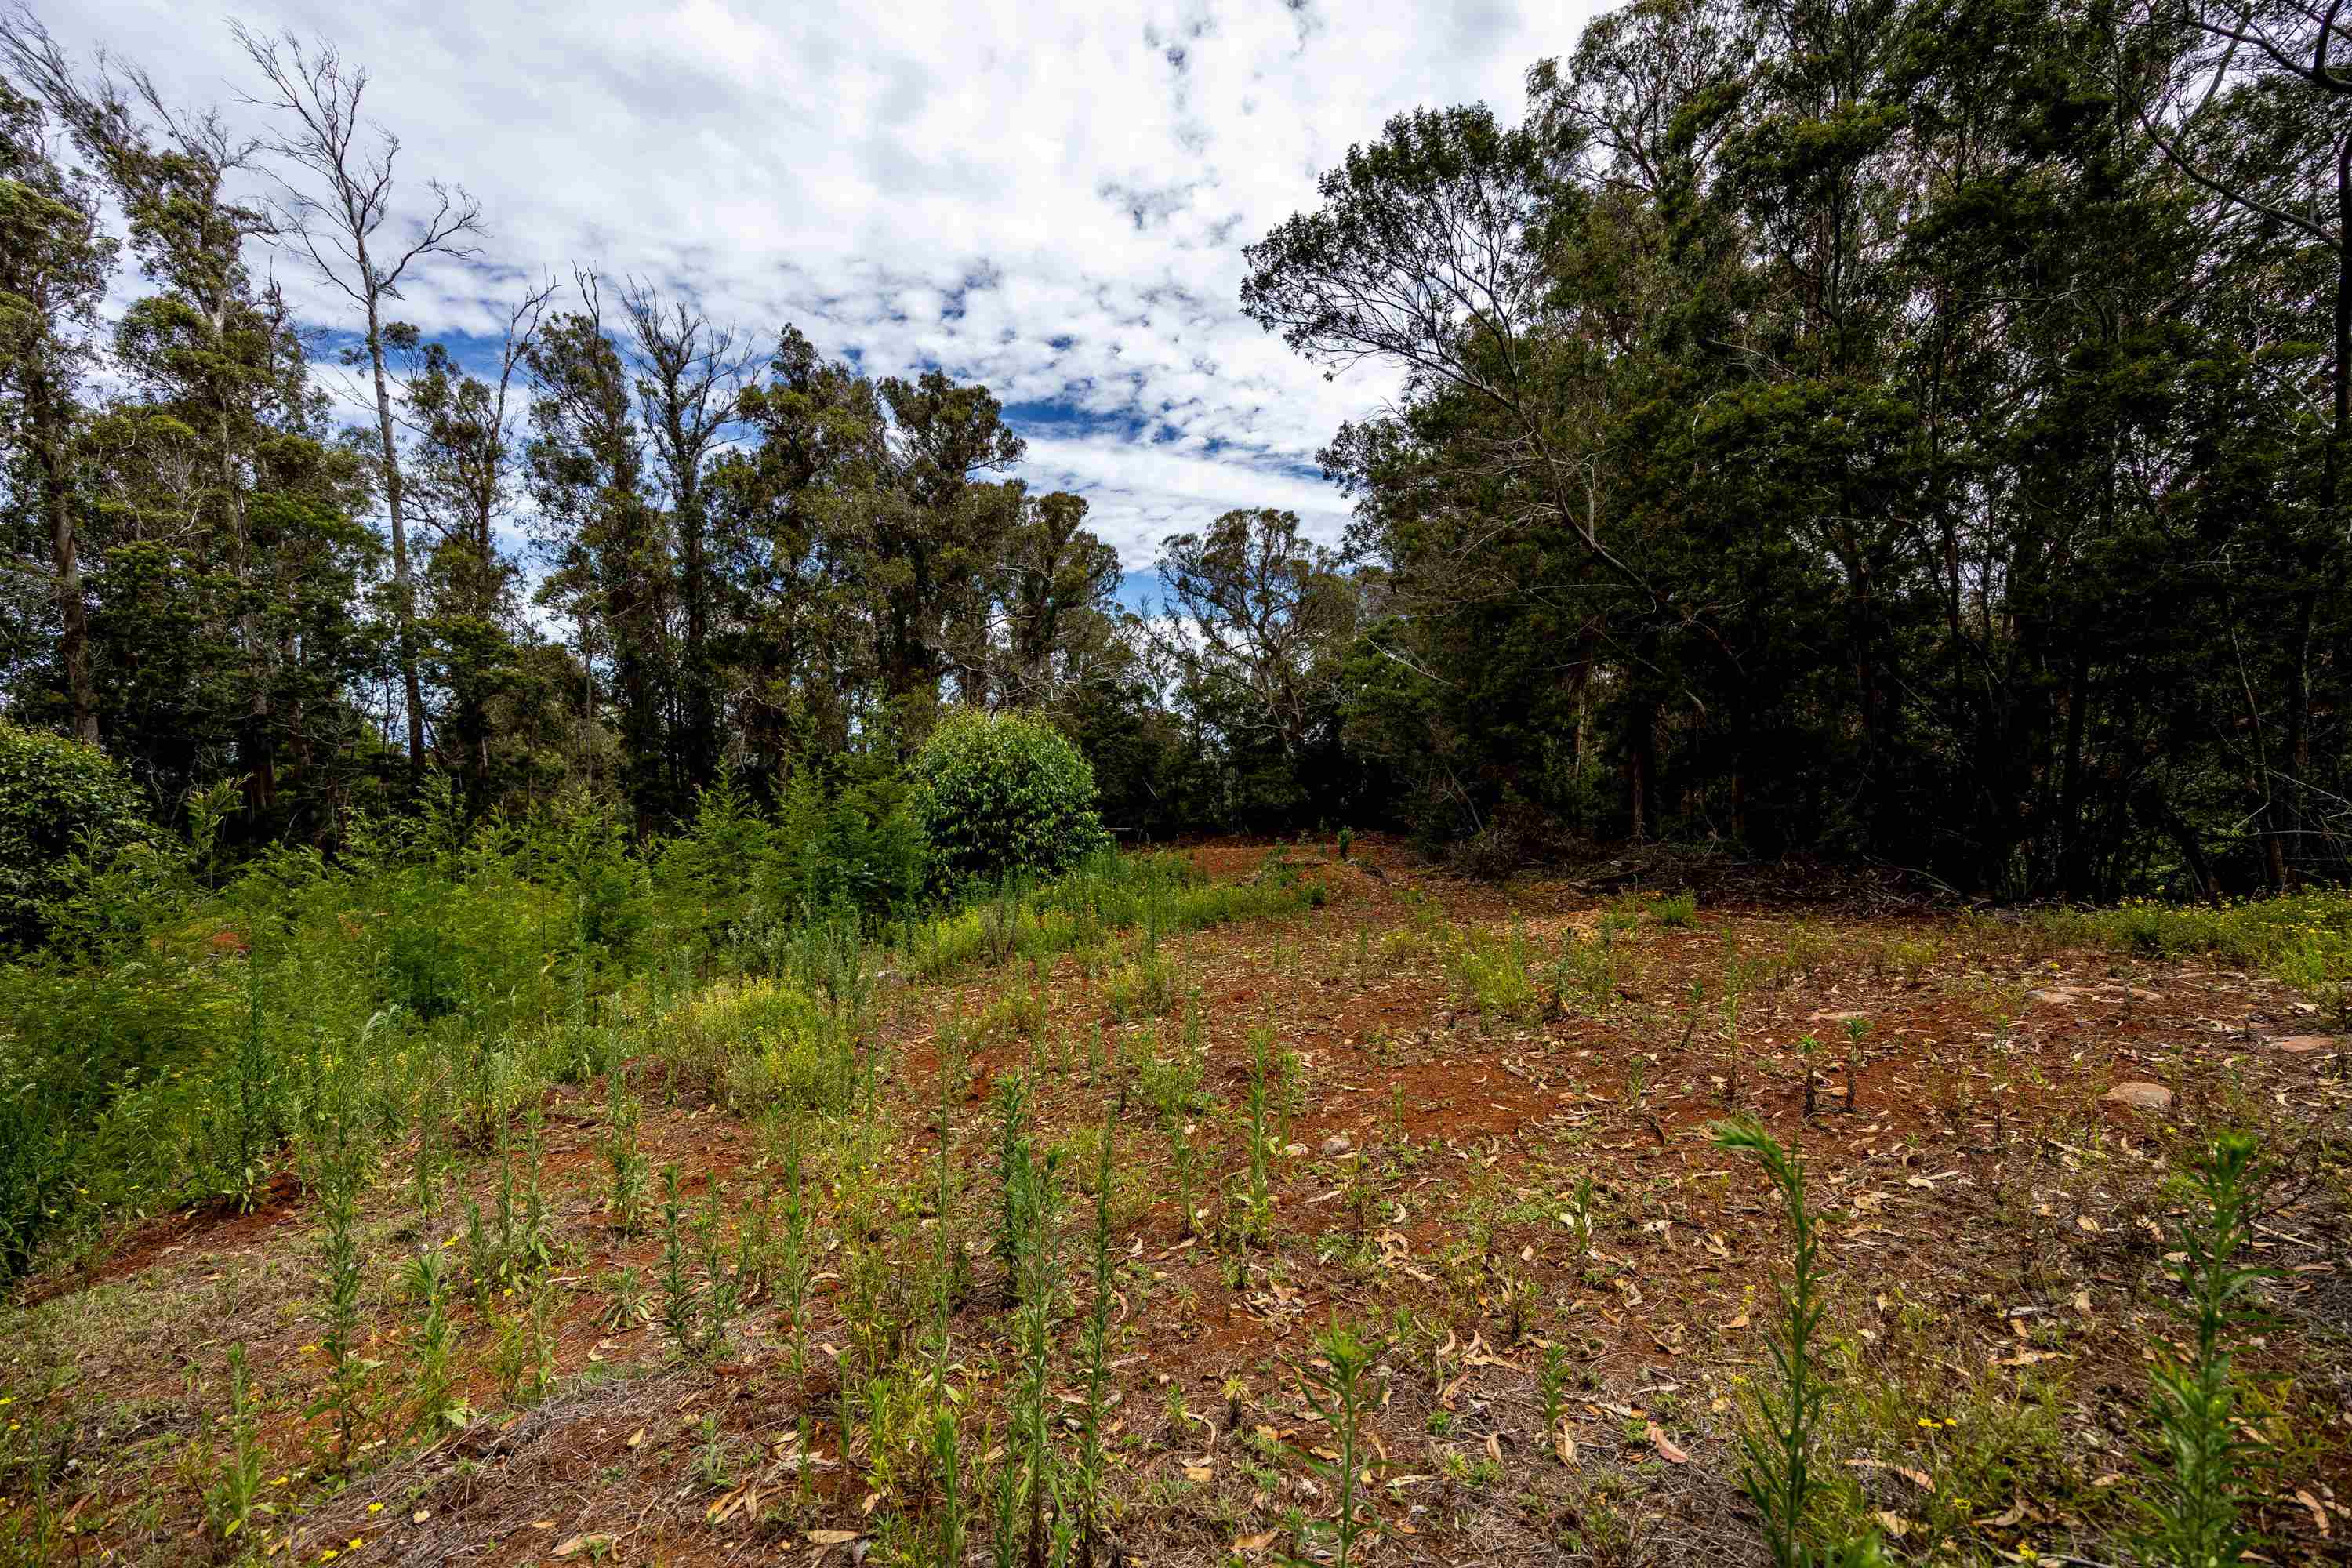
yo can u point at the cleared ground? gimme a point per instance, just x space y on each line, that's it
1486 1138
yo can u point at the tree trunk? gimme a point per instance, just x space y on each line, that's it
47 411
404 599
1641 764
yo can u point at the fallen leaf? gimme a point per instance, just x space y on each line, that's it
2318 1514
1564 1445
579 1543
1667 1451
1895 1524
1254 1543
831 1537
719 1511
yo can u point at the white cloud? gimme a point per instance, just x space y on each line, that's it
965 184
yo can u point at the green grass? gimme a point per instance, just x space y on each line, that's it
2302 939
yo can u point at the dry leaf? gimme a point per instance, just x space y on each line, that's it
831 1537
1895 1524
1254 1543
719 1511
581 1544
1564 1445
2318 1514
2014 1514
637 1438
1667 1451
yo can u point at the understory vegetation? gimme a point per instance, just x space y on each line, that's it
520 1190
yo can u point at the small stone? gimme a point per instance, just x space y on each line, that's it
2141 1096
1336 1144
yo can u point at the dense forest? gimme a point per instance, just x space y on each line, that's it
1908 431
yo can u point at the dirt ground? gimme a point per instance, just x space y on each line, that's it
1994 1221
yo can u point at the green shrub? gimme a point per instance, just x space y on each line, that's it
64 809
1005 795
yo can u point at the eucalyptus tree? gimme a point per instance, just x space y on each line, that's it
465 483
793 652
1256 621
1057 578
2252 100
689 377
193 490
610 560
333 213
56 259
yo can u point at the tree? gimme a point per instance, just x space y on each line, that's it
1256 624
689 381
918 545
465 457
54 262
611 559
335 225
231 570
796 657
1057 575
2252 100
1003 794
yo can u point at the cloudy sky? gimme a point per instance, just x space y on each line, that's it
1051 198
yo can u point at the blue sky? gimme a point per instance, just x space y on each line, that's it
1051 198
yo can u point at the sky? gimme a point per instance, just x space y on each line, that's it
1049 198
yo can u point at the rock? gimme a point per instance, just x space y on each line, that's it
2059 995
2141 1096
1336 1144
2304 1045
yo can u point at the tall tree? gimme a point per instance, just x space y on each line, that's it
611 559
689 377
465 484
55 261
333 214
1055 573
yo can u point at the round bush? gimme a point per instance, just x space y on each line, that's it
1006 793
57 798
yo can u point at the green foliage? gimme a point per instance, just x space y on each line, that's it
2305 939
66 811
1338 1389
1005 795
2208 1479
1777 1459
